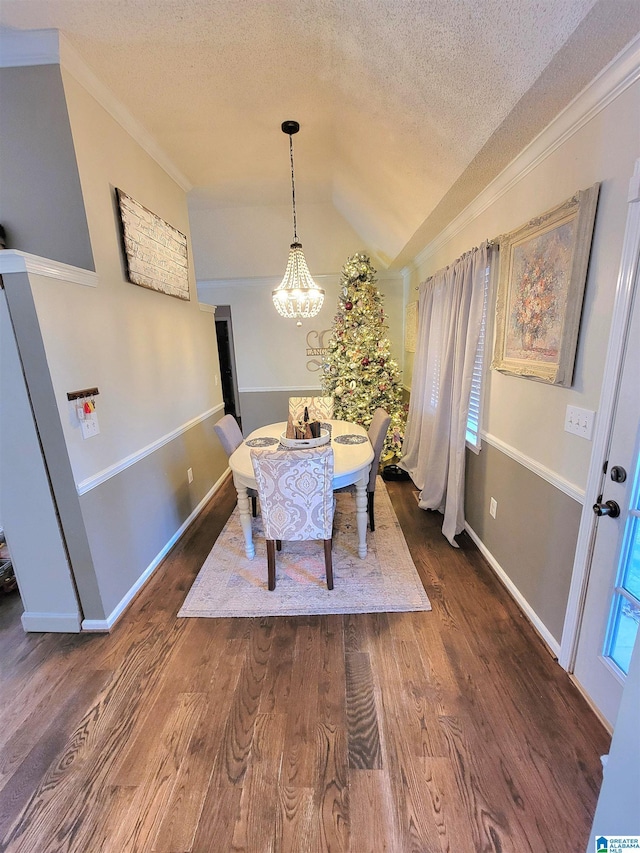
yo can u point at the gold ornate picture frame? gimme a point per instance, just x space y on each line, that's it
543 271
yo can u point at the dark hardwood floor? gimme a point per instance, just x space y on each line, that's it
453 730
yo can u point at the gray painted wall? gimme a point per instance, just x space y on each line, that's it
27 506
41 204
37 375
534 534
123 495
267 407
131 516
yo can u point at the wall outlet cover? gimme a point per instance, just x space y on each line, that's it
90 426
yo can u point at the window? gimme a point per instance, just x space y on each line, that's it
474 418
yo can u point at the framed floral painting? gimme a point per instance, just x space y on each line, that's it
543 270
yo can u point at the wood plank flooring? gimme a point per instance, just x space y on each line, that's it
452 731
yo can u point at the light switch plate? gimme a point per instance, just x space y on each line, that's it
579 422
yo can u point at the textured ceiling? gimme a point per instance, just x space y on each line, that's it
398 100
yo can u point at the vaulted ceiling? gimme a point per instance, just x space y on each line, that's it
407 107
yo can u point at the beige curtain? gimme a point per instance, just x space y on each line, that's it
449 318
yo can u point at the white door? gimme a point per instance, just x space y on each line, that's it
611 614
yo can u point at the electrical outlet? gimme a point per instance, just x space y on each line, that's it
90 426
493 507
190 475
579 422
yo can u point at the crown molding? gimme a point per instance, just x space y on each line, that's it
274 280
612 81
75 65
12 260
50 47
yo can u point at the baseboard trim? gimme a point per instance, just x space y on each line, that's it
106 474
521 601
290 388
58 623
102 625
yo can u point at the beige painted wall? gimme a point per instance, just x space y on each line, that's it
533 538
153 356
271 351
240 257
154 360
248 242
527 415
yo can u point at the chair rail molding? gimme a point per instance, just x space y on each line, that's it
570 489
106 473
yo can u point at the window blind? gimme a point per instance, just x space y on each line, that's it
474 418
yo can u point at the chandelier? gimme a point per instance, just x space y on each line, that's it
297 295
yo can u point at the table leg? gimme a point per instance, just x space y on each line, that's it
245 521
361 515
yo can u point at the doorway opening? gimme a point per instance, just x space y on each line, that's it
227 358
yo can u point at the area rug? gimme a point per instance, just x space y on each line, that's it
229 584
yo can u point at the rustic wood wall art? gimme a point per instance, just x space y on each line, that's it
155 252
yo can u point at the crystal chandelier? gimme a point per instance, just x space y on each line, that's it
297 295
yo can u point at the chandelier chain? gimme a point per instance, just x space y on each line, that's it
293 191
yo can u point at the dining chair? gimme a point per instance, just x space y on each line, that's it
319 408
231 438
377 433
296 500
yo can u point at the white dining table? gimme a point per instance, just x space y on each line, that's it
351 464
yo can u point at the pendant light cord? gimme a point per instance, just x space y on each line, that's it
293 191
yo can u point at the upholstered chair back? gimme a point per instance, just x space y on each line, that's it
320 408
377 433
231 438
296 494
229 433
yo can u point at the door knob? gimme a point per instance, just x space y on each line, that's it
609 508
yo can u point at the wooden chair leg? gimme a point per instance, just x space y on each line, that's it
328 562
271 564
279 544
254 505
372 525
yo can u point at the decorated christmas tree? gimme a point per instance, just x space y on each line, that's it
358 371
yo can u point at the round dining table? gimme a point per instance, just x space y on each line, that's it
352 458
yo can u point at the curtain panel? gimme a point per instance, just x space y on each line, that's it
450 307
